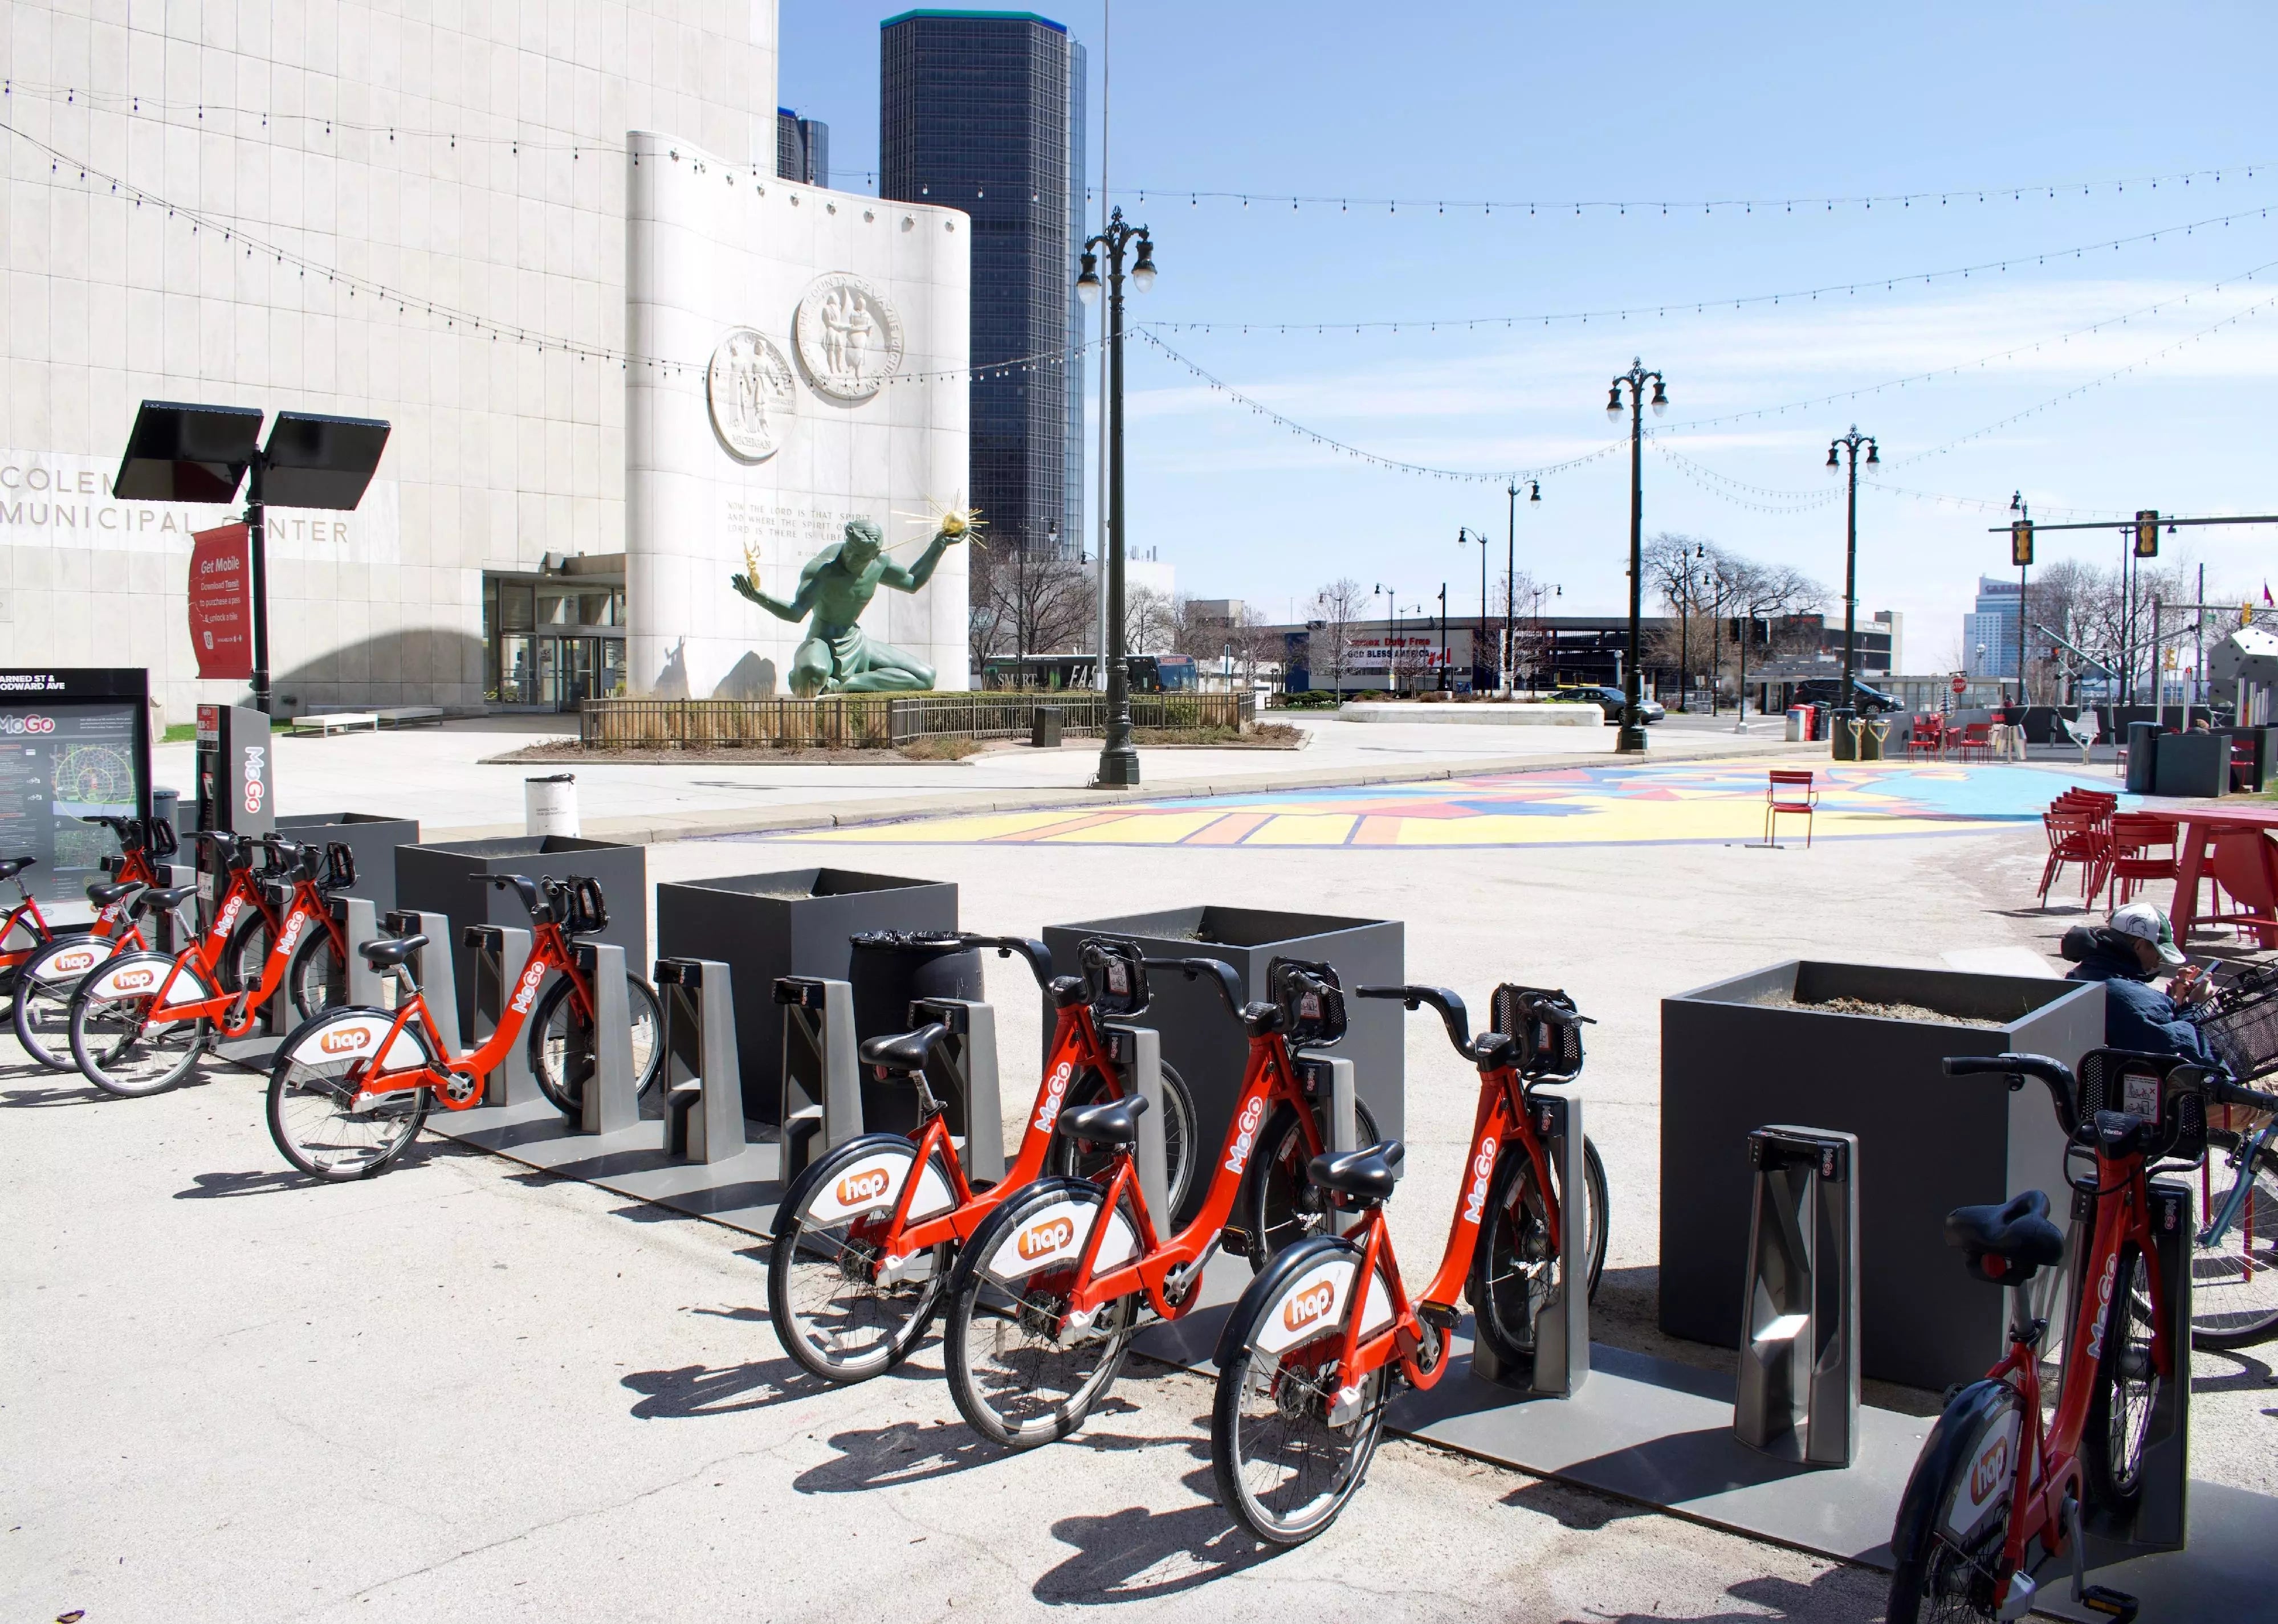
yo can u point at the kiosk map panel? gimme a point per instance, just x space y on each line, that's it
72 746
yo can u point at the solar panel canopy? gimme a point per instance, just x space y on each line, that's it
179 452
316 460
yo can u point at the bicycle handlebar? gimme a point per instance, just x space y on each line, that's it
1220 972
2063 1090
1035 954
2222 1092
522 887
1453 1015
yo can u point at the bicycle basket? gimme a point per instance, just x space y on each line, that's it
1114 976
2114 1079
2245 1036
1545 1026
1313 1002
339 868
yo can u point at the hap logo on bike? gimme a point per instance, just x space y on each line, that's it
1309 1306
857 1188
345 1041
132 980
528 990
1483 1161
1990 1472
1049 1112
65 963
1252 1114
27 724
1043 1239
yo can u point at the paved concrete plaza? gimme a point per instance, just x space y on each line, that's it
467 1388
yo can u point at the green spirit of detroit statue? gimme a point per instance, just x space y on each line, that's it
836 656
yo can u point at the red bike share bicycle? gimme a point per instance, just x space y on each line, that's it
350 1087
1305 1368
1047 1294
2000 1488
46 975
862 1249
142 1020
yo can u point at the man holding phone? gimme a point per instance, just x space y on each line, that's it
2125 954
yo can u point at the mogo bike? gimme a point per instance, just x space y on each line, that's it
2000 1487
25 932
1305 1366
40 1003
141 1021
1048 1292
350 1087
862 1248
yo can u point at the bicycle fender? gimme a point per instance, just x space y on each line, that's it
1267 1287
1316 1298
872 1182
1053 1233
824 1165
67 959
141 975
354 1034
1960 1457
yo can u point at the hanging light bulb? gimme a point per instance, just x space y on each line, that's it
1087 281
1660 401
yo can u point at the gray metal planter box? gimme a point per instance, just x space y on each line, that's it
1207 1045
797 923
1733 1060
455 879
372 837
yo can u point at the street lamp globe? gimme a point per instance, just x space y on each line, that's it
1660 401
1835 460
1087 282
1613 404
1143 274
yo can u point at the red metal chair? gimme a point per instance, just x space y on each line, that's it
2074 837
1926 739
2244 761
1977 741
1789 790
2129 857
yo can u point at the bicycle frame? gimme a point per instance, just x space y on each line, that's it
2047 1469
224 1008
2221 1215
1269 1078
134 868
549 949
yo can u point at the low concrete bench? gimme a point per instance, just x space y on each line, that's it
408 715
335 721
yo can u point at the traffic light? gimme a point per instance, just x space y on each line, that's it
2021 542
2147 532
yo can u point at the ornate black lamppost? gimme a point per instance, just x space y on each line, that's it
1632 738
1851 442
1119 762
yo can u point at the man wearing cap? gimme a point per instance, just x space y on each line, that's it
2125 954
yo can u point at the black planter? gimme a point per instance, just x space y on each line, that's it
1928 1143
2190 765
372 837
455 879
798 923
1207 1045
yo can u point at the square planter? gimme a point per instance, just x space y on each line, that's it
797 923
1741 1054
2192 766
372 837
455 879
1208 1046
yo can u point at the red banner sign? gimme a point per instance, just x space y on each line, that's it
221 603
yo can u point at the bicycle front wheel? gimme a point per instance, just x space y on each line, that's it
317 979
115 1042
40 1005
319 1121
2235 1276
1279 1205
1954 1518
833 1310
561 1043
1023 1374
1513 1269
1291 1435
2126 1388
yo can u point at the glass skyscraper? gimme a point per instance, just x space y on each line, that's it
984 111
802 148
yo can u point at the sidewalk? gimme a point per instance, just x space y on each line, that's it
443 777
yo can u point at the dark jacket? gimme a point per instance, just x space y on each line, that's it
2137 1015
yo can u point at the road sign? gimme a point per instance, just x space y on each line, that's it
1960 683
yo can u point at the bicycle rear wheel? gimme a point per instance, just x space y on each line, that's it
316 980
1020 1374
39 1007
1068 1159
1289 1446
1279 1205
116 1046
561 1043
2234 1278
2126 1388
318 1120
830 1311
1513 1269
1954 1520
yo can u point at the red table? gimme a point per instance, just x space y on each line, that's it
2245 863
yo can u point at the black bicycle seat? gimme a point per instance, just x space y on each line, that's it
1109 1121
164 899
390 951
1065 990
1258 1019
2120 1134
2018 1232
104 893
904 1052
1368 1174
10 867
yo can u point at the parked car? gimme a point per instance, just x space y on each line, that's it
1828 690
1609 699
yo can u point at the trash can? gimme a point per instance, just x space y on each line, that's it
549 804
2143 757
1045 730
1798 723
1874 734
1843 735
163 806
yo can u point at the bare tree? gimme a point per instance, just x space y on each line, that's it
1764 593
1336 613
1027 601
1681 570
1151 621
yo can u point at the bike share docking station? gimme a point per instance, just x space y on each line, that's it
1562 1324
1799 1389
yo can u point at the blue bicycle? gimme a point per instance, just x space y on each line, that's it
2234 1259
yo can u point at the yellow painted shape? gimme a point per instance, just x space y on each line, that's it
1313 829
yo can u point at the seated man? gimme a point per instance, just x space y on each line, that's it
2125 954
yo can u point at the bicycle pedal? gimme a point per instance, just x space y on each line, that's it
1440 1316
2112 1604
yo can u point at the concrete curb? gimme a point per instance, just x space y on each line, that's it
717 825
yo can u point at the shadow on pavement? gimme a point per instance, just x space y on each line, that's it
60 1094
212 1186
1839 1596
695 1391
1138 1555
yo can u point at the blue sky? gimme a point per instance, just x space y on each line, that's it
1649 102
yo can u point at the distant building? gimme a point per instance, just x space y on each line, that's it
1989 634
1214 611
802 148
984 111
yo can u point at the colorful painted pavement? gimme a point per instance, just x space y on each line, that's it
1700 803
